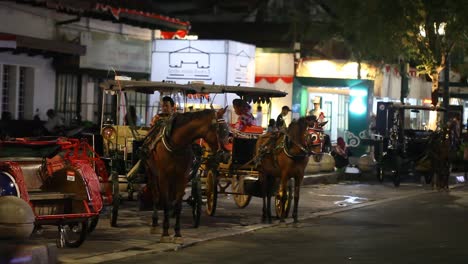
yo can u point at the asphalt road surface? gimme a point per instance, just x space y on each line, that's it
428 228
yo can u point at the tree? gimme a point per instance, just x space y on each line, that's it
382 31
433 29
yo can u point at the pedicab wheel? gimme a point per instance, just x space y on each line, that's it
72 235
241 200
396 178
196 201
92 223
283 204
380 174
115 200
211 192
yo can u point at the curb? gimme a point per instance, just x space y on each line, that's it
161 247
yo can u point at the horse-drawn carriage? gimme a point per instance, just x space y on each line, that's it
261 164
60 179
408 145
173 157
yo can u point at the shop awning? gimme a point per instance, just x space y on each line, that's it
37 46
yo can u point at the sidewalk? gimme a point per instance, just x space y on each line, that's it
133 237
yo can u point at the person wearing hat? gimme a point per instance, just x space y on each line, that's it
245 117
317 111
280 124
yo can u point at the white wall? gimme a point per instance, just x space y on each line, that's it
44 80
275 64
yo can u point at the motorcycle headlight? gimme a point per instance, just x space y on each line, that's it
8 185
108 133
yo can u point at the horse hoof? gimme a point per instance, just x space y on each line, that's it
297 225
165 239
154 230
178 240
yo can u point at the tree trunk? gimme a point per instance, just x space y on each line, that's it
435 81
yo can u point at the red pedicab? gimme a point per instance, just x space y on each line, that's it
59 178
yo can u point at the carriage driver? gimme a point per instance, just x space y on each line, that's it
167 109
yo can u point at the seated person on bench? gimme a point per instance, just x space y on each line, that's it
245 117
245 122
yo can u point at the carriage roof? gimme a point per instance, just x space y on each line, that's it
146 87
191 88
418 107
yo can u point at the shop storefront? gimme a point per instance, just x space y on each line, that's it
345 104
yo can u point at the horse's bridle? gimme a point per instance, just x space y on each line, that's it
313 136
214 122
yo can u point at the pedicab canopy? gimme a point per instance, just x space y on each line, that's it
250 94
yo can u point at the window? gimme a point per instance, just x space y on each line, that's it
6 88
141 103
22 90
67 96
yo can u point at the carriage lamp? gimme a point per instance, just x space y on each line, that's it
108 133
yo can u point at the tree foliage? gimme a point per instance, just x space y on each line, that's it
384 31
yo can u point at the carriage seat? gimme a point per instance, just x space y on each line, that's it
248 132
243 150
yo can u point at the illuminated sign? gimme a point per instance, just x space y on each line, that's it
209 61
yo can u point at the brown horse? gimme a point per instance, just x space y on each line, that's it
284 156
441 146
170 160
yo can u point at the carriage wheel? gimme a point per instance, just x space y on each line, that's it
396 178
72 235
115 200
211 192
380 174
196 201
283 204
238 187
92 223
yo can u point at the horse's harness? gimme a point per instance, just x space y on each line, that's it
164 136
312 137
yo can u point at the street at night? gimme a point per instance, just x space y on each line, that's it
161 131
427 228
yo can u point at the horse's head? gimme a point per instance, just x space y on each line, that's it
307 135
218 133
314 137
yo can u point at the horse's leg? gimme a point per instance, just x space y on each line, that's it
282 192
297 189
268 198
264 185
177 234
154 224
165 235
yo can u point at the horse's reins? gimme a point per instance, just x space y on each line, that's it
303 149
171 148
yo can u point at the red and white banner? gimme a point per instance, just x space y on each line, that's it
274 79
7 41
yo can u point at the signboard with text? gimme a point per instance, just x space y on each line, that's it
209 61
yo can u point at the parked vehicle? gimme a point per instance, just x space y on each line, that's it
61 179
